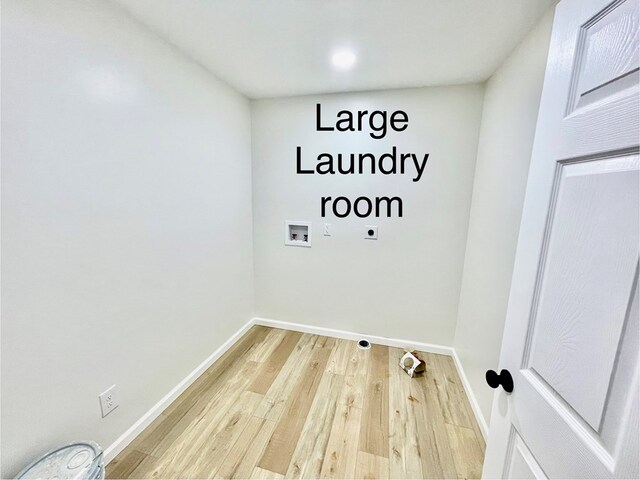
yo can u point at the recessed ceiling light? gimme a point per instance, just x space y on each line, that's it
343 60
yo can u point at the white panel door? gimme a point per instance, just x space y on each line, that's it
571 333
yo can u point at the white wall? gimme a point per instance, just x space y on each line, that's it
404 285
508 125
126 221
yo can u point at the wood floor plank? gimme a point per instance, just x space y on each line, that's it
370 466
307 458
213 450
324 342
156 439
191 404
148 440
262 474
374 431
436 456
281 388
273 365
447 384
230 374
355 379
279 451
479 436
151 467
223 367
125 464
353 391
340 356
262 352
245 453
463 407
467 454
358 362
178 455
404 449
342 448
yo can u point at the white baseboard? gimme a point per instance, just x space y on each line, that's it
390 342
475 406
127 437
330 332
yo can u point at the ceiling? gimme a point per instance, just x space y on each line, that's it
268 48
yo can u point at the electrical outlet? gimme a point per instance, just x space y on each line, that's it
371 232
327 229
108 400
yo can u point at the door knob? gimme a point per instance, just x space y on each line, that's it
505 379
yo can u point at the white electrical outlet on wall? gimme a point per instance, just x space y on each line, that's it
108 401
371 232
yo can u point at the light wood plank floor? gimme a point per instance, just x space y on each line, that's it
283 404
